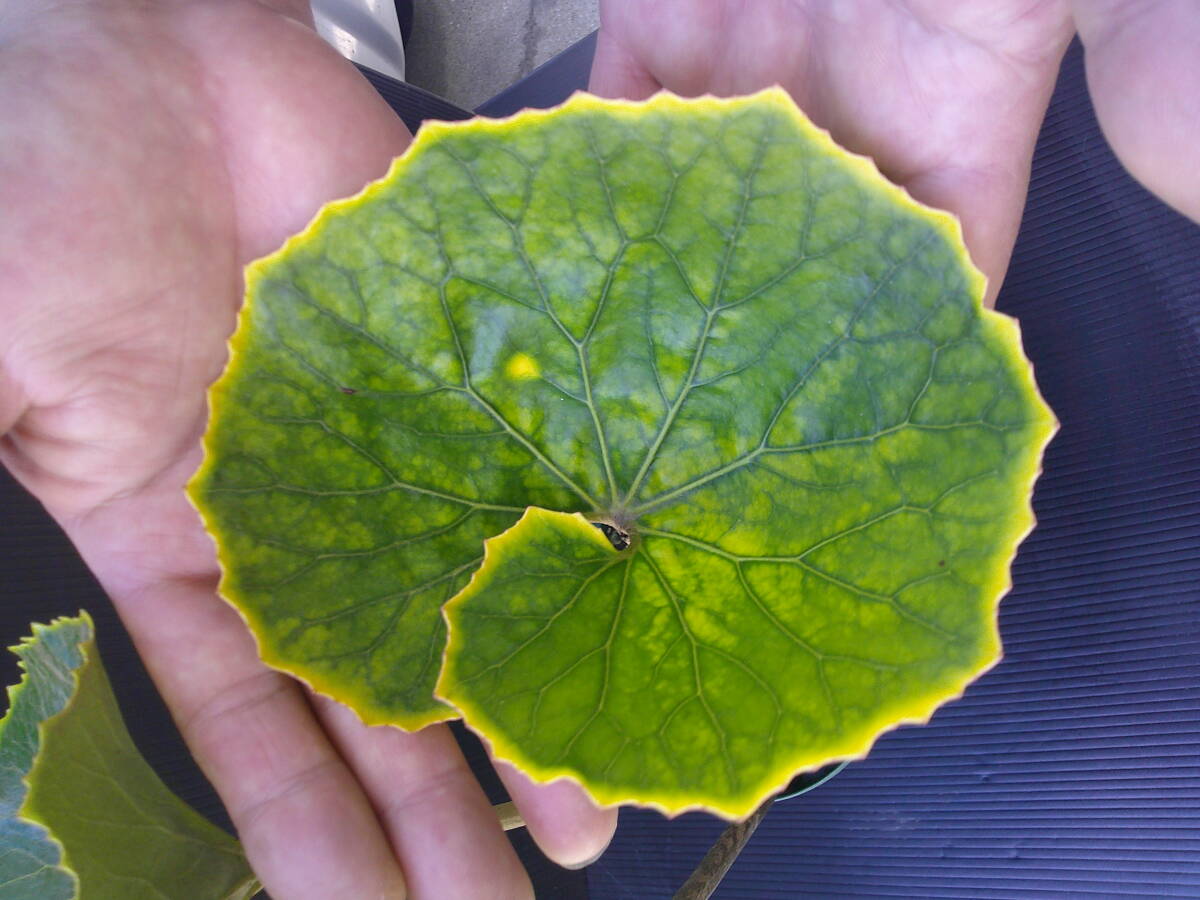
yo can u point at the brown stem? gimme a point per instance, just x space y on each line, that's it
702 882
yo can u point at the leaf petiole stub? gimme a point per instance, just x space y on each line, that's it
618 537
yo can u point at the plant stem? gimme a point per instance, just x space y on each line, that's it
712 868
702 882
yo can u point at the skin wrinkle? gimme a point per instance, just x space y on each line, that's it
133 341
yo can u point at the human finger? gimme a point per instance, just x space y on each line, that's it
564 821
436 816
1144 76
988 204
307 827
617 73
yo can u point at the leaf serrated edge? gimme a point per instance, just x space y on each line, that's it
15 692
86 647
921 711
431 134
237 350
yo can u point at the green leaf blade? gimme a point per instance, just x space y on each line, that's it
699 321
83 814
31 865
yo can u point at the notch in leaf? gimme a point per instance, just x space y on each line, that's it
618 537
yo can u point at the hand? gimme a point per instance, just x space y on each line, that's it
947 96
148 150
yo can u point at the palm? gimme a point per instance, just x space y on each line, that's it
208 133
945 96
189 185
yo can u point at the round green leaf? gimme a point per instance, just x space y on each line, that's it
698 323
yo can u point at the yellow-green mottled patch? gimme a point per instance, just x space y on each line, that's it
521 365
698 322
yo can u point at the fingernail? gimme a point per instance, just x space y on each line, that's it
586 862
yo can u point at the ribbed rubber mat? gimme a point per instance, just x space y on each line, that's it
413 104
1073 768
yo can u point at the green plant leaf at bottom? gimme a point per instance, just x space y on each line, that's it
82 815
